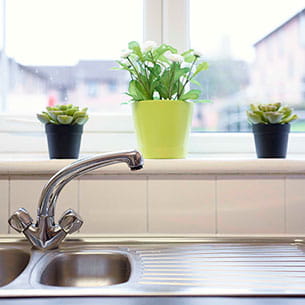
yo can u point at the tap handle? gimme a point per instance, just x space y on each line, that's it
70 221
20 220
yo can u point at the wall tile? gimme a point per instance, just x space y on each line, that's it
181 204
25 193
249 205
4 199
295 204
113 204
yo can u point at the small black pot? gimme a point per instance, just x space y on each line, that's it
271 140
64 140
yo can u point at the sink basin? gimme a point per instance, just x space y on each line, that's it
86 270
12 263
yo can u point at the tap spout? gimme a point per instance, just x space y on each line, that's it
52 189
45 234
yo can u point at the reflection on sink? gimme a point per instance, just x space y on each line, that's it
12 263
86 270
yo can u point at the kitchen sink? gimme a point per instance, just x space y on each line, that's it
155 266
86 269
12 263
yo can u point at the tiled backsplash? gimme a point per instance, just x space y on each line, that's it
226 204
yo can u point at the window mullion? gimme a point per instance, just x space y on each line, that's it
152 20
167 21
175 24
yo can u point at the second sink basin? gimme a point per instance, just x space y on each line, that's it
86 270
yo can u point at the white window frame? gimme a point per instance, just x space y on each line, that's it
165 21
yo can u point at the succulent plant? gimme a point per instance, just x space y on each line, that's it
63 114
270 114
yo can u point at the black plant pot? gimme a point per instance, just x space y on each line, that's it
64 140
271 140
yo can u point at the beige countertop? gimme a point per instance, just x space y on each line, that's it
193 166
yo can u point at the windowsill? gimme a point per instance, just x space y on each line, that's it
207 165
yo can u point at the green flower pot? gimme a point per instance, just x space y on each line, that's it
163 128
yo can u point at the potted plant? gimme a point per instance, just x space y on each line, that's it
160 96
270 125
64 127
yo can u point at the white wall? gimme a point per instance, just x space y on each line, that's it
172 203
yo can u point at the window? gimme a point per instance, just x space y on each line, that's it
68 48
64 50
243 41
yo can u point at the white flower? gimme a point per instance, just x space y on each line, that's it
175 57
149 64
197 53
125 53
149 45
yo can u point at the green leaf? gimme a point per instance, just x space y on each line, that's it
136 91
71 111
156 69
189 58
278 105
201 67
64 119
159 52
132 90
143 87
162 90
43 118
273 117
164 84
128 102
54 113
187 52
290 119
286 111
196 83
124 67
253 107
81 120
63 107
78 114
254 118
190 95
135 47
47 114
170 48
180 72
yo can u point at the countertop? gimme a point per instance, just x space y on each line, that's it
191 166
157 301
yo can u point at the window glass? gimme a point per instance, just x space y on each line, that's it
256 54
64 51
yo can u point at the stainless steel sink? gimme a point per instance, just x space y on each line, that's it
12 263
86 269
156 266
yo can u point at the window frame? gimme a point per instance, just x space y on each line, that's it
164 21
